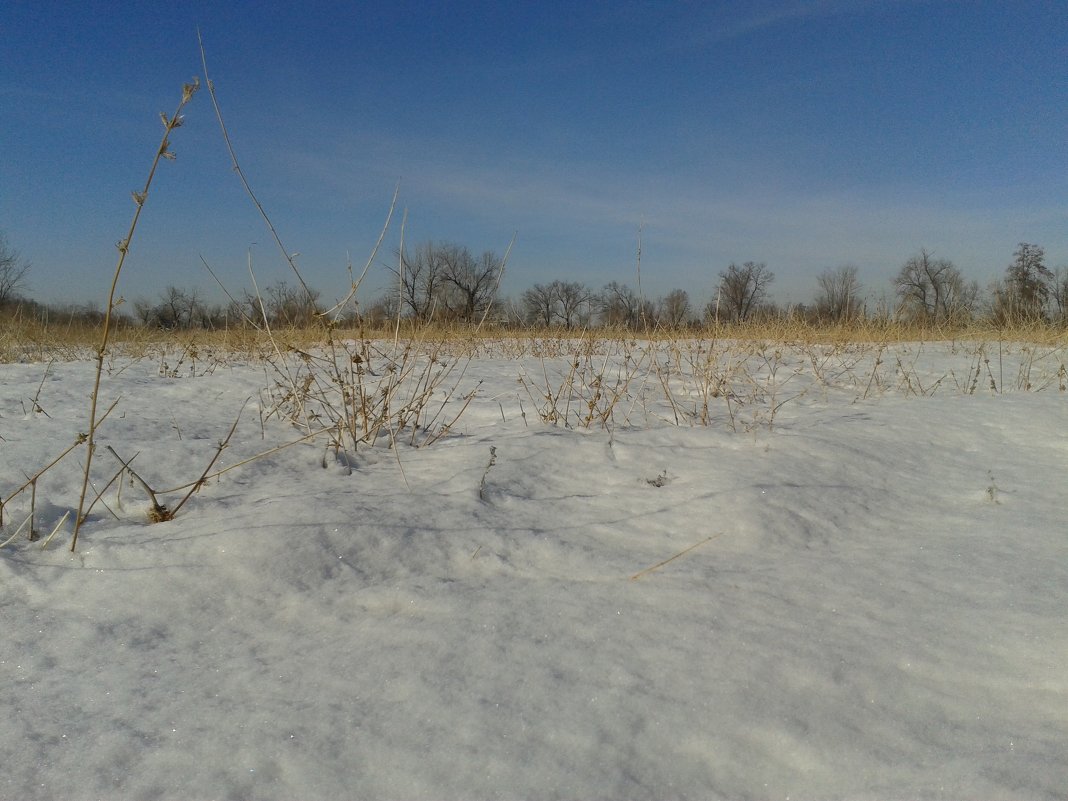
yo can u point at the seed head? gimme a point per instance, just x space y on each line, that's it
190 89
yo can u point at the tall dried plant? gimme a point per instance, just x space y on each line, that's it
163 152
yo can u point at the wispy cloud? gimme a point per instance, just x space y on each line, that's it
757 16
716 23
690 224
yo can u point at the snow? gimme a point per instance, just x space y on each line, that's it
872 606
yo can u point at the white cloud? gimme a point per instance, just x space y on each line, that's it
585 217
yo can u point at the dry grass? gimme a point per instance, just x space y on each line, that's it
29 341
347 389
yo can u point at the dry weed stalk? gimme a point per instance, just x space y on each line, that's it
347 387
163 152
160 512
599 376
681 553
746 383
359 391
33 480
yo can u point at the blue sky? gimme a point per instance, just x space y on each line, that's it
806 135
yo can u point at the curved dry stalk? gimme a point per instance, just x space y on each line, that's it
250 459
55 530
337 307
159 511
240 306
497 283
400 280
18 531
100 494
79 440
683 552
218 452
241 174
163 152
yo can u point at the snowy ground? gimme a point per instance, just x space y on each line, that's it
875 608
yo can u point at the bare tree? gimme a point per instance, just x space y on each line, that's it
1059 294
471 282
240 314
383 309
557 303
422 281
839 298
172 307
144 311
620 306
573 296
290 305
675 309
933 289
961 299
540 304
280 303
440 281
13 270
1029 281
176 309
743 289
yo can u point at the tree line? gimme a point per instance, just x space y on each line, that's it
447 283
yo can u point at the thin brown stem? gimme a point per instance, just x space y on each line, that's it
169 124
241 174
218 452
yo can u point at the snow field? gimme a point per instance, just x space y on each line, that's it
878 612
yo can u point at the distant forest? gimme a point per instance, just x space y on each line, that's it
447 283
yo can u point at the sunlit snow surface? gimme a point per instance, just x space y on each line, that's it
881 611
